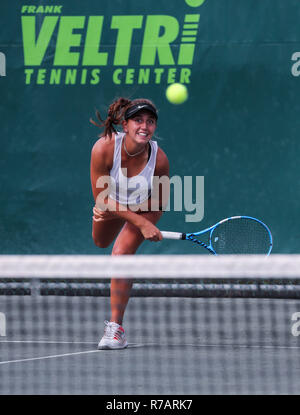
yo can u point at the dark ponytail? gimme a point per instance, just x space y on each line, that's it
115 116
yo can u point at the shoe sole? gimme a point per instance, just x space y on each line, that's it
105 347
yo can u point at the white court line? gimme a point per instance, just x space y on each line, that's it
47 341
150 344
48 357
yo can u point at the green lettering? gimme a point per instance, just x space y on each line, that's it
186 54
41 77
158 73
154 43
40 9
185 74
57 9
144 75
49 9
67 39
28 73
192 18
188 39
116 76
71 75
34 50
190 26
55 76
171 75
125 26
91 56
129 76
95 77
189 33
31 9
83 77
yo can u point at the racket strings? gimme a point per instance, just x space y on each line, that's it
241 236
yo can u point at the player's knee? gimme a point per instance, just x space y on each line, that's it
122 250
99 242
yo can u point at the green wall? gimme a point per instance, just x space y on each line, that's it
239 128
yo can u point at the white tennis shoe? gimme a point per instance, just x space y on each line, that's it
113 338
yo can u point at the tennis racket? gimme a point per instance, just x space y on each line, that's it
234 235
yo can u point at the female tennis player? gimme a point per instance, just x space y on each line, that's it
123 166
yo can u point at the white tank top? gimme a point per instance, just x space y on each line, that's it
131 190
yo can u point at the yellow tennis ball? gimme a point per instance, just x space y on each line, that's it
177 93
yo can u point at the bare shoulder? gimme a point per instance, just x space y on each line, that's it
103 145
103 150
162 163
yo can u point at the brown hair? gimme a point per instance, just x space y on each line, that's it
116 113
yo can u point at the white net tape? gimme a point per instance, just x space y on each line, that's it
150 266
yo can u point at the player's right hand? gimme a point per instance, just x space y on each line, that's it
150 232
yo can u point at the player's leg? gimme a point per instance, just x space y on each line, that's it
105 228
127 243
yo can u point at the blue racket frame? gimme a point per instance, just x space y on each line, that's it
191 236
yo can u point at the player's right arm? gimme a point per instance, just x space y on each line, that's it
101 164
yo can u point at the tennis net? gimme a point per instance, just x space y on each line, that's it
195 325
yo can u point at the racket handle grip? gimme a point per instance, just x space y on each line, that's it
172 235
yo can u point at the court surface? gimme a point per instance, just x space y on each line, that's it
176 346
